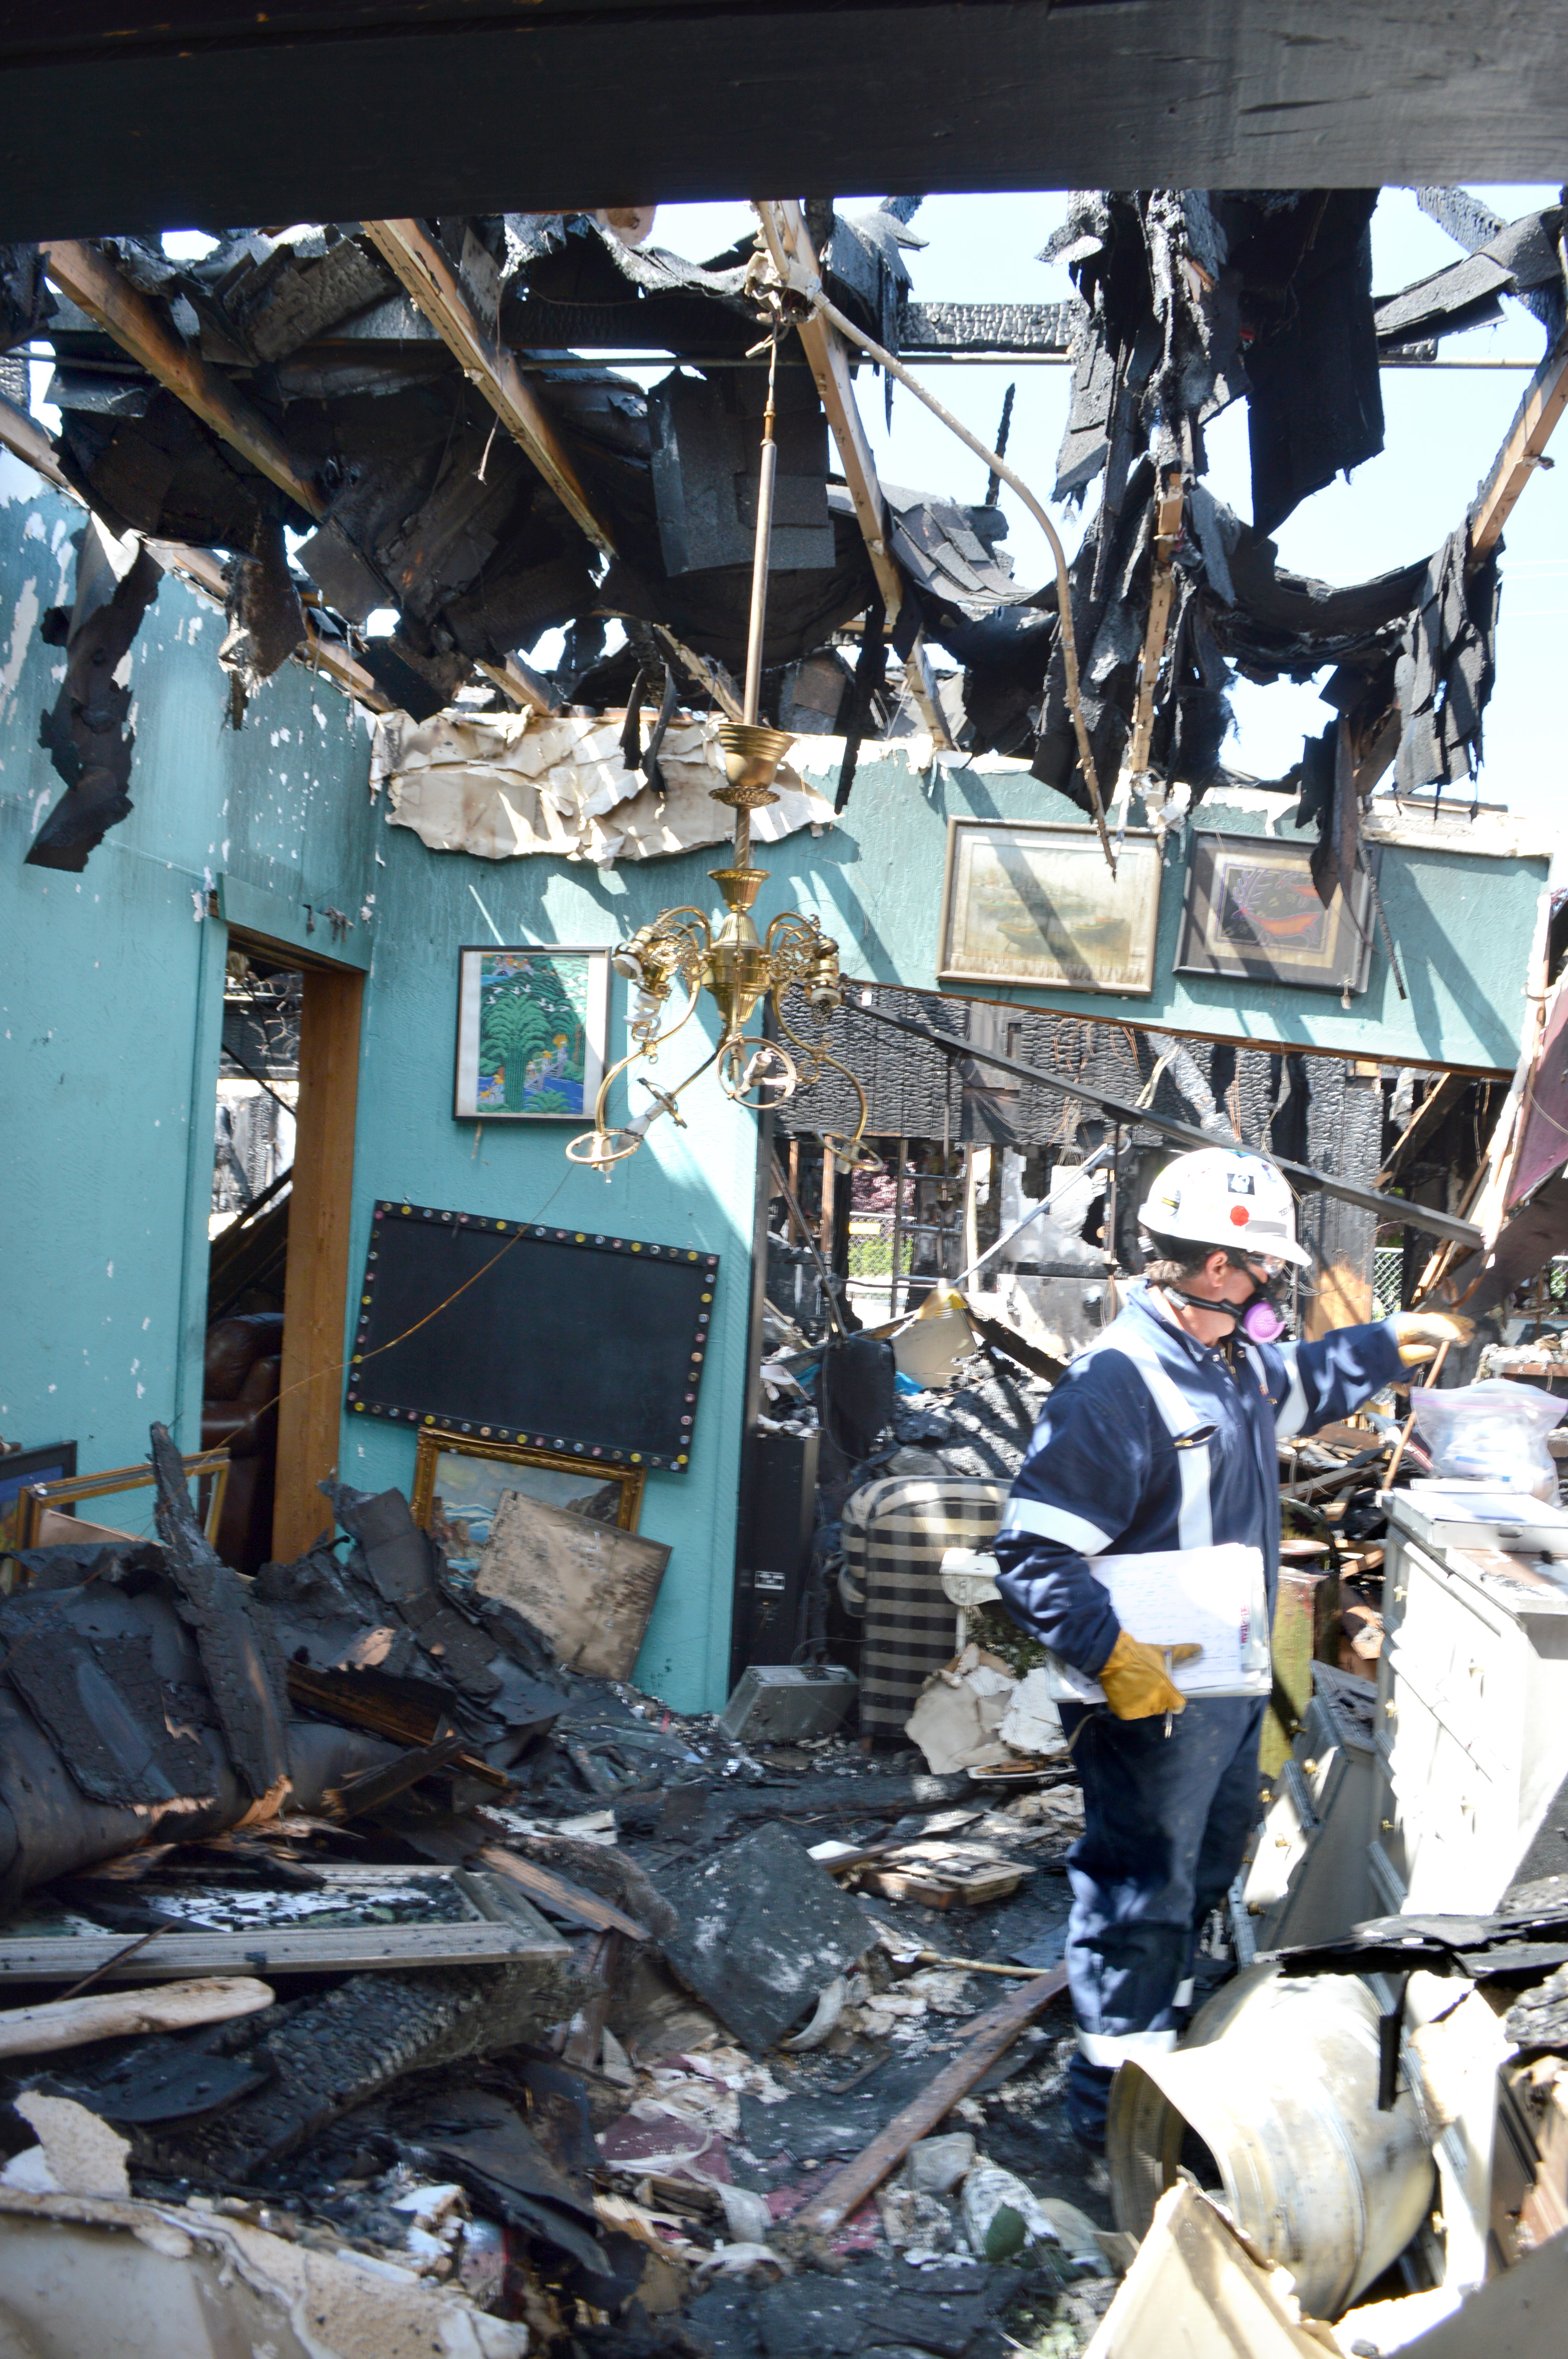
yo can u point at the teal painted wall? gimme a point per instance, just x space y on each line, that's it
111 1006
1463 921
693 1188
111 991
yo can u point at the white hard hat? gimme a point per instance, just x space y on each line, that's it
1220 1196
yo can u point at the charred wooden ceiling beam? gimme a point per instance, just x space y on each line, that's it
788 240
521 685
26 439
92 281
22 435
1534 422
125 111
319 653
433 285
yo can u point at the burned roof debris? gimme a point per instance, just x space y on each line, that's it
422 403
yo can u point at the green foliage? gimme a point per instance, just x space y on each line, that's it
992 1627
514 1028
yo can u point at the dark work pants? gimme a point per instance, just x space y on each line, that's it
1166 1822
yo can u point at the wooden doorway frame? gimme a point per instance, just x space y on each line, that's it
315 1283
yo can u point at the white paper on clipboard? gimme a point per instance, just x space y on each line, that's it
1215 1598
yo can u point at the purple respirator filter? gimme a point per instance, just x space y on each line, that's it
1262 1322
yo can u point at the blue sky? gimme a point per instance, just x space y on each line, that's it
1443 428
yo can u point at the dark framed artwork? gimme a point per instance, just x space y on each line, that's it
22 1468
565 1340
531 1032
1253 911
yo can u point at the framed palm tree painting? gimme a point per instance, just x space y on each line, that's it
531 1032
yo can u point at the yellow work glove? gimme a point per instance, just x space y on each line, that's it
1136 1682
1418 1333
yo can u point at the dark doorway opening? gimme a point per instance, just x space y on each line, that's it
254 1137
278 1267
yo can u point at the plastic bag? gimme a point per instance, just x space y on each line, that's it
1491 1432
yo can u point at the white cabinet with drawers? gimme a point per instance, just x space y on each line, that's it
1472 1741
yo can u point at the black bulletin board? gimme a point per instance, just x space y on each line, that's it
559 1338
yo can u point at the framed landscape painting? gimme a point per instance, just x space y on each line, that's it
531 1029
460 1483
1252 911
1038 904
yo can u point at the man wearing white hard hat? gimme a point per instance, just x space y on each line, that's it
1161 1437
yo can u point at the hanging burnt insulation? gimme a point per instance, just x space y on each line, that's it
265 619
88 731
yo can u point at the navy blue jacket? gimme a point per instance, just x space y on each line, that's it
1151 1442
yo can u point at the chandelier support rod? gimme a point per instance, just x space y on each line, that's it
760 555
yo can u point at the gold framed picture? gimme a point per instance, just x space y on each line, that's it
459 1484
1036 903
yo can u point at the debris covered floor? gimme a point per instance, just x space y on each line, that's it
504 1983
361 1950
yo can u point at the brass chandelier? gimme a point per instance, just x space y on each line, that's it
741 971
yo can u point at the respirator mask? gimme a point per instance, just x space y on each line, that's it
1260 1317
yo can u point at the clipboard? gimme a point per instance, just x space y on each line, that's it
1217 1597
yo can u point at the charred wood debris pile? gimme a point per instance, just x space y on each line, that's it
352 1917
289 383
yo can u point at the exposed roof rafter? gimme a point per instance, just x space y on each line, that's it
433 285
92 281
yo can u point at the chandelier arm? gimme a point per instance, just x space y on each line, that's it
601 1103
803 933
665 921
645 1048
858 1133
786 1084
819 1055
812 1052
667 1032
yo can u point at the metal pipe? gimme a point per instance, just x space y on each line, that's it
897 1228
759 554
1280 2078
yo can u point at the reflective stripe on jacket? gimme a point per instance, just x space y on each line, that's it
1151 1442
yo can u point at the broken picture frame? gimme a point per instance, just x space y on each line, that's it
1252 911
531 1032
19 1470
459 1484
38 1500
1037 904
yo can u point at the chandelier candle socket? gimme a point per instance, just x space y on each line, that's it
726 956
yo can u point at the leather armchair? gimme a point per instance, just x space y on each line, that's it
239 1413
